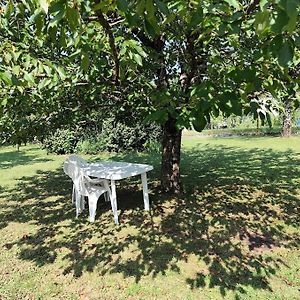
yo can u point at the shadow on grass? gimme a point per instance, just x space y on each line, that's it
239 206
16 158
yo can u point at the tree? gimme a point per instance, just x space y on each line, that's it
277 25
179 62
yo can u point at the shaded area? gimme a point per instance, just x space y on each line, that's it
15 158
239 206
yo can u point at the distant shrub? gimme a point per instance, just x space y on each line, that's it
63 141
113 137
153 146
90 146
118 137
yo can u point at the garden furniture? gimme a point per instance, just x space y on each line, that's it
113 171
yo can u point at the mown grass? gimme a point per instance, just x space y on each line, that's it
243 131
233 234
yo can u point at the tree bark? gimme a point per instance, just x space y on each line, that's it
171 146
287 118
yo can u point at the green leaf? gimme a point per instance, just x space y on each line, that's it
140 8
85 61
149 28
62 38
28 77
73 17
275 45
138 59
16 69
61 73
43 83
196 18
159 116
162 7
59 15
57 6
199 122
44 5
132 20
14 80
48 70
236 106
9 9
285 55
263 3
39 23
291 7
4 102
6 77
122 5
292 12
52 33
292 24
134 44
280 21
75 54
150 9
262 21
297 41
233 3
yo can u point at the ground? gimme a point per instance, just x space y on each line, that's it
233 234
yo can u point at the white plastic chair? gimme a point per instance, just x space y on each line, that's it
70 171
82 163
85 186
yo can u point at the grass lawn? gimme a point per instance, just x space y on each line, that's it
234 234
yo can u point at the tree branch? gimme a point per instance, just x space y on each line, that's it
157 44
114 51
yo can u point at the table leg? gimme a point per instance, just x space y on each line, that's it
145 191
114 201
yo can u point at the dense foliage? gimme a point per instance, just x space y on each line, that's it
178 62
113 136
62 141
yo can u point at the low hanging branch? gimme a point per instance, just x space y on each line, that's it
114 51
157 44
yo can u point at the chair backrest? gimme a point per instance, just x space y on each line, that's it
73 168
69 164
78 159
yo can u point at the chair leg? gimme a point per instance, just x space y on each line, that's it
82 202
73 194
77 203
93 199
106 197
107 194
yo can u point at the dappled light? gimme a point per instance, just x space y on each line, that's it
240 208
11 159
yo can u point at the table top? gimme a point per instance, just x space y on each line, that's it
115 170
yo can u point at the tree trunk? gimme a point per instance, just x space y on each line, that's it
171 146
287 118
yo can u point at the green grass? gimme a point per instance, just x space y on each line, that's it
243 131
233 234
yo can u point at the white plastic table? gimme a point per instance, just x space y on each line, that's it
113 171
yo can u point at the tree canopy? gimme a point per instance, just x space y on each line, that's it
176 62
